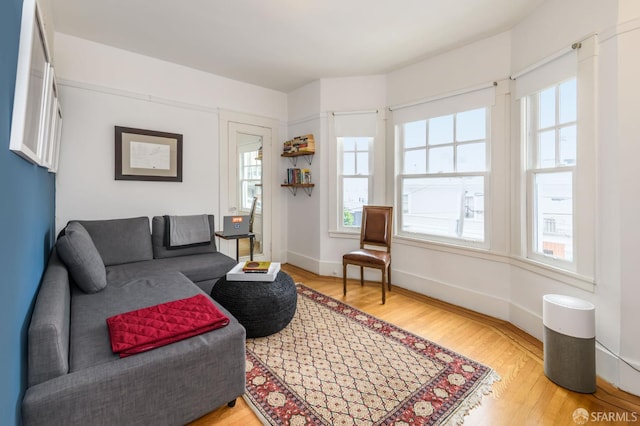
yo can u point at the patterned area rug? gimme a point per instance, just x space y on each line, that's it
336 365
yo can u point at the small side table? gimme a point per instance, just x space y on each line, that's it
249 235
263 308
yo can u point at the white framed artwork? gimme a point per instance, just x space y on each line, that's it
30 106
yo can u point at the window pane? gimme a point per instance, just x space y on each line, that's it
547 149
348 144
568 102
415 134
355 194
362 163
415 162
349 163
471 157
441 130
451 207
441 159
553 215
547 108
568 145
471 125
362 144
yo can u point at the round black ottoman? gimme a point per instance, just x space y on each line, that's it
263 308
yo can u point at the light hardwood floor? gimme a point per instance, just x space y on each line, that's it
524 396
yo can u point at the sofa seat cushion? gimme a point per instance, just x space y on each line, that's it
197 267
89 334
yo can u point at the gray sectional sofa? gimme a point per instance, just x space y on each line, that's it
74 378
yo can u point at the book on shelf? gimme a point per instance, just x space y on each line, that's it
305 143
298 176
252 266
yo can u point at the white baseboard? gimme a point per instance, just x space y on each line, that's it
305 262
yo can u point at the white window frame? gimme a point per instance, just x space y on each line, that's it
342 177
579 60
485 175
362 123
534 168
242 150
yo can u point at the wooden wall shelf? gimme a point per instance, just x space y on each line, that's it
293 187
293 156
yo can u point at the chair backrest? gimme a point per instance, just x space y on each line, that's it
253 213
376 226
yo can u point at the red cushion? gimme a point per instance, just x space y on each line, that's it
148 328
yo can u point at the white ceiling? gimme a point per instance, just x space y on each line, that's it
284 44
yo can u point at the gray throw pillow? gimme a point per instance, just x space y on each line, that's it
77 251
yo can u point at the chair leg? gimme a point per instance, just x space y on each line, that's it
384 274
389 277
361 275
344 279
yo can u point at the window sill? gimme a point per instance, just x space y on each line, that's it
345 234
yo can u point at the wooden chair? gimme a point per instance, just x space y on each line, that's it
252 215
374 231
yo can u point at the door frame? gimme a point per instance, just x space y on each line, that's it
230 122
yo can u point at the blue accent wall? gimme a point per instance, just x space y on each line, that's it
27 211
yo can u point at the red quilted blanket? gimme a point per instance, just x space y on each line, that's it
148 328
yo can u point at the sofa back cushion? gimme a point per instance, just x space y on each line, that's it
77 251
121 240
158 228
48 337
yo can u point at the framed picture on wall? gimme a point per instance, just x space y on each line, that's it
147 155
29 107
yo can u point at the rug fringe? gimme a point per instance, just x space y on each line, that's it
473 400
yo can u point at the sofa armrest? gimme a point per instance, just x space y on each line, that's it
48 336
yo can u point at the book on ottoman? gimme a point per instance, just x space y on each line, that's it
154 326
237 273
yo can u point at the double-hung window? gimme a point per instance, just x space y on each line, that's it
556 189
443 176
250 175
550 117
354 178
355 137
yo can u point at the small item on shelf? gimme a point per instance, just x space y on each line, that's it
298 176
305 143
252 266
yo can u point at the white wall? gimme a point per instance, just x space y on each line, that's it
102 87
303 211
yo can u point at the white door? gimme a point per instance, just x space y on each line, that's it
247 171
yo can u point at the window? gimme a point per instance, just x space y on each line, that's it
353 165
354 178
551 144
443 175
250 171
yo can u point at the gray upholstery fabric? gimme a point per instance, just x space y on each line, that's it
48 336
197 267
75 379
77 251
170 385
158 239
121 240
